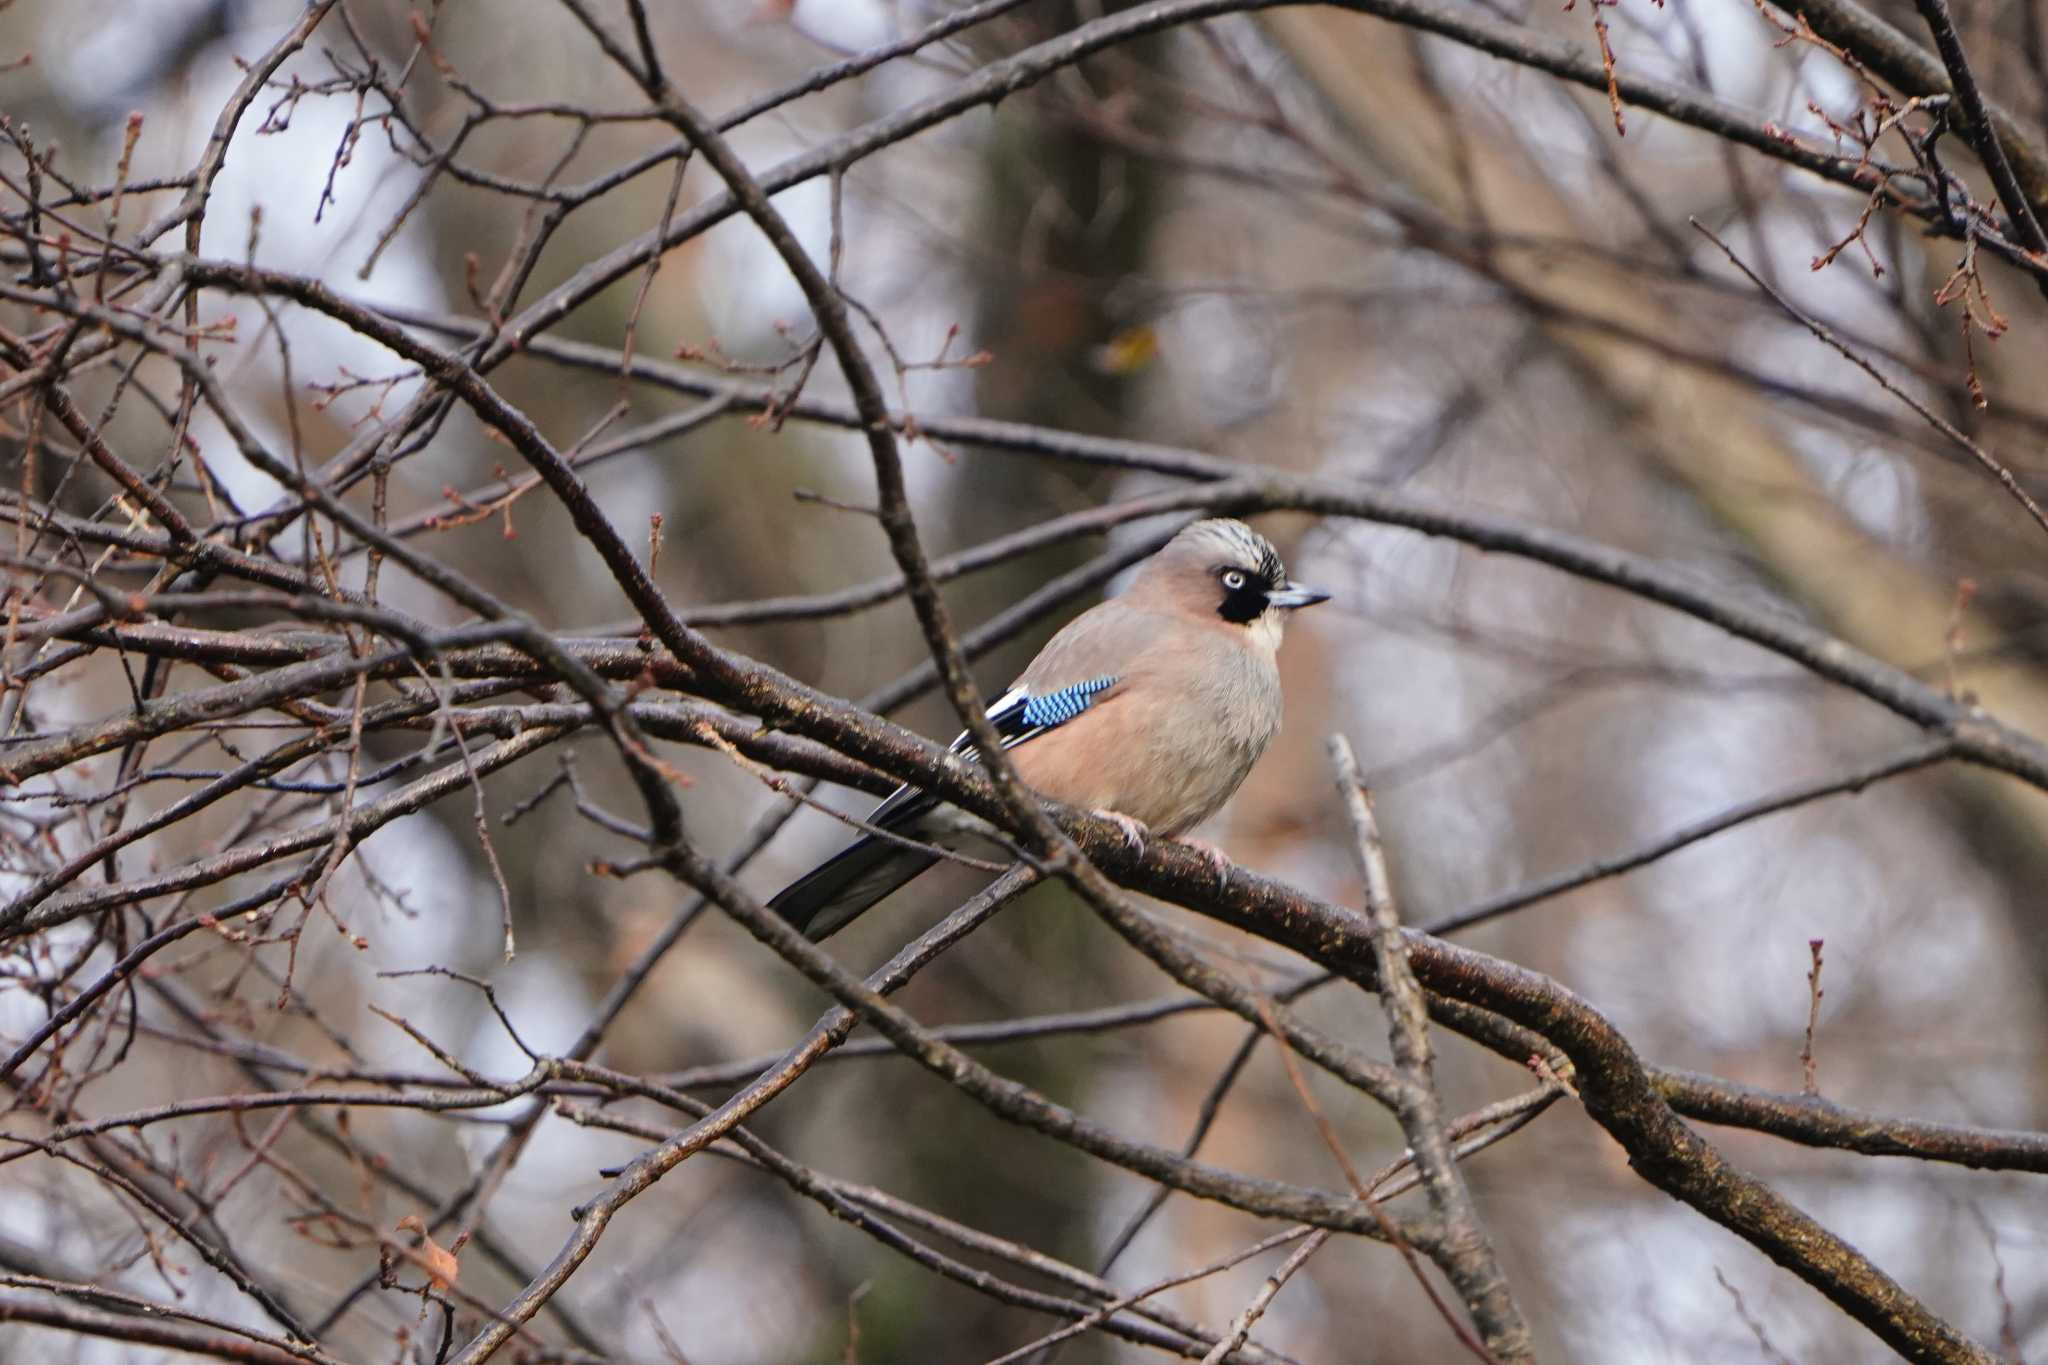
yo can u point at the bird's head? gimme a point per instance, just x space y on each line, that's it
1224 571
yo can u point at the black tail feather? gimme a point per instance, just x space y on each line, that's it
830 895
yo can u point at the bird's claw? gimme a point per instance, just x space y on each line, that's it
1218 860
1134 830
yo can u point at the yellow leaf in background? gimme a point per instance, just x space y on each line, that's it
437 1261
1128 351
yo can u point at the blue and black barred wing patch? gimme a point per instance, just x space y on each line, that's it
1049 710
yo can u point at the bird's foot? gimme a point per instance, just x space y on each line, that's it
1134 830
1217 858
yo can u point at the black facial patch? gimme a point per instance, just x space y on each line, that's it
1246 604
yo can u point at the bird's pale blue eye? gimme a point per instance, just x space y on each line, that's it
1233 580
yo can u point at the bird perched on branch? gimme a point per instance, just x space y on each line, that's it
1148 709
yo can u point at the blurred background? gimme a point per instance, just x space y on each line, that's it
1309 241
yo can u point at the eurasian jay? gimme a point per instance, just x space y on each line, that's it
1148 709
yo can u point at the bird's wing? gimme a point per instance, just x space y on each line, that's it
1087 662
1022 714
1019 716
833 893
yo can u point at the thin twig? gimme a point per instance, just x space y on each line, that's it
1466 1255
1983 457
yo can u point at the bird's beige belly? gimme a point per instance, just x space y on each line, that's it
1170 780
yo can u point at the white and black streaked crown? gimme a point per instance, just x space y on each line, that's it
1237 546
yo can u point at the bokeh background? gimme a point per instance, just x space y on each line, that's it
1309 241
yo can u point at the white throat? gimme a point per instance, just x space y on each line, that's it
1265 632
